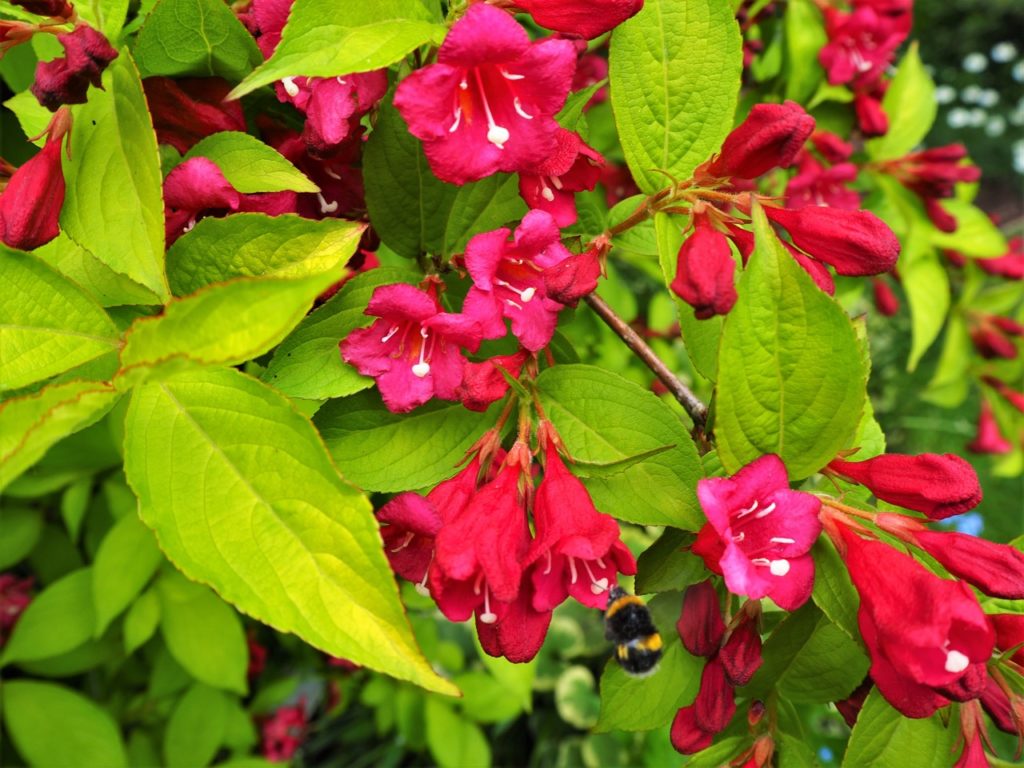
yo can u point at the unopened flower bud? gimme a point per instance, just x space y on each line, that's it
30 203
66 80
771 137
705 271
741 654
700 625
716 701
856 243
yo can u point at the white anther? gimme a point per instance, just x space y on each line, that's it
766 511
546 193
556 182
463 85
748 510
422 368
519 109
597 586
191 223
956 662
487 617
779 567
513 304
387 336
526 294
326 207
781 540
508 75
458 119
496 134
739 537
289 86
405 542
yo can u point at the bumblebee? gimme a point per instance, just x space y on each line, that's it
628 624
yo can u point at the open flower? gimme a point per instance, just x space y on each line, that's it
760 533
488 104
413 350
508 280
551 186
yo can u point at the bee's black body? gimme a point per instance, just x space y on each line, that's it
628 624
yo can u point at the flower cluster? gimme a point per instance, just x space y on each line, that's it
468 543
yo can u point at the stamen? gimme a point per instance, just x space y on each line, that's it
781 540
519 109
326 207
956 662
572 571
508 75
546 192
748 510
557 182
547 570
405 542
289 86
762 562
526 294
477 584
422 586
387 336
458 119
422 368
766 511
487 617
463 85
600 563
739 537
340 81
513 304
496 134
597 586
779 567
191 223
331 173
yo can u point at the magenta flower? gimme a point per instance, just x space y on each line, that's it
66 80
195 188
188 110
989 439
508 280
577 550
521 631
413 349
552 185
861 45
488 104
760 533
586 18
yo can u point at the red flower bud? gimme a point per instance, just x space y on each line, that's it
1011 395
1009 629
66 80
886 301
992 343
940 486
1007 325
939 216
770 137
997 704
741 654
854 242
31 202
704 271
831 147
851 706
687 736
1010 266
870 116
989 439
483 383
586 18
716 701
573 278
700 625
58 9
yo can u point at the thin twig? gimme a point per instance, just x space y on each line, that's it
697 410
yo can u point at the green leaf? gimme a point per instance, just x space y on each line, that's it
22 528
883 738
243 496
114 207
320 42
30 425
485 699
141 621
47 323
516 679
926 283
603 419
308 363
58 619
910 106
481 207
257 245
203 633
383 451
805 37
74 504
454 742
576 701
408 205
668 565
675 72
196 728
950 384
52 725
796 385
641 704
249 165
108 16
834 593
126 559
32 116
109 288
975 235
702 337
202 38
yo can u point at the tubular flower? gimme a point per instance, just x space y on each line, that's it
700 625
1011 395
924 634
771 137
995 569
816 184
687 736
741 653
577 550
705 271
479 553
551 186
521 631
195 188
760 533
938 486
508 280
586 18
60 9
413 349
1010 265
488 104
989 439
30 203
66 80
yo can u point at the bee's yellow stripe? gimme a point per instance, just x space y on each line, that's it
622 651
621 602
649 643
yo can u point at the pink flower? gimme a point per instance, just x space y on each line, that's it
700 625
334 105
188 110
771 136
508 280
551 186
195 188
30 203
989 439
938 486
284 732
413 349
586 18
760 533
704 271
577 550
925 635
66 80
488 104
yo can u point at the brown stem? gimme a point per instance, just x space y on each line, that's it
690 402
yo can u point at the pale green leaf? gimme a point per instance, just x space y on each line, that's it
796 385
249 165
804 38
127 557
109 288
114 202
242 496
453 741
910 105
21 528
47 323
59 619
32 116
926 283
975 235
675 73
196 728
